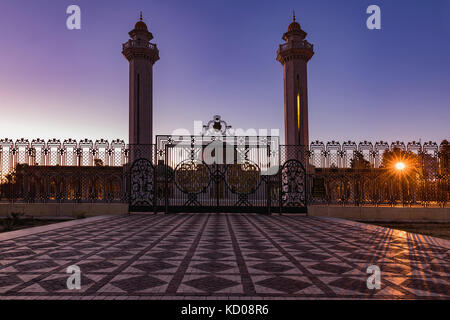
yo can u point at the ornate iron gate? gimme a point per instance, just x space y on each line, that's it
192 184
217 174
198 186
293 187
142 186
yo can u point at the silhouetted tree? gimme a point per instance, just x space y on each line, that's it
390 158
98 162
444 157
413 171
358 161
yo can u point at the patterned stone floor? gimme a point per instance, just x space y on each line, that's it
221 256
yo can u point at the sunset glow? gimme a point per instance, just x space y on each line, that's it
77 86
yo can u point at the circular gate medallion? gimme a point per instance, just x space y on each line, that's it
192 176
243 177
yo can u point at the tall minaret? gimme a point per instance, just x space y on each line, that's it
294 55
142 55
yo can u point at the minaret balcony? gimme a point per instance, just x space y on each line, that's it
138 44
303 44
301 49
140 49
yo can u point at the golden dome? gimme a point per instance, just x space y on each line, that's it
294 29
140 25
294 26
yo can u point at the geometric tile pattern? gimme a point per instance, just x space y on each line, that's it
222 255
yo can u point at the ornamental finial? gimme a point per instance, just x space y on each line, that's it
293 15
140 16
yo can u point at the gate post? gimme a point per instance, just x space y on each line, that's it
268 187
216 180
166 183
280 188
268 195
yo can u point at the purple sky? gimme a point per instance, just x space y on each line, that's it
218 57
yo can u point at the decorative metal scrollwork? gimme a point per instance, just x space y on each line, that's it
348 173
243 177
192 176
293 184
142 173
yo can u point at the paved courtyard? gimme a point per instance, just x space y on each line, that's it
221 256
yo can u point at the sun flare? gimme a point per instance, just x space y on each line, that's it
400 165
